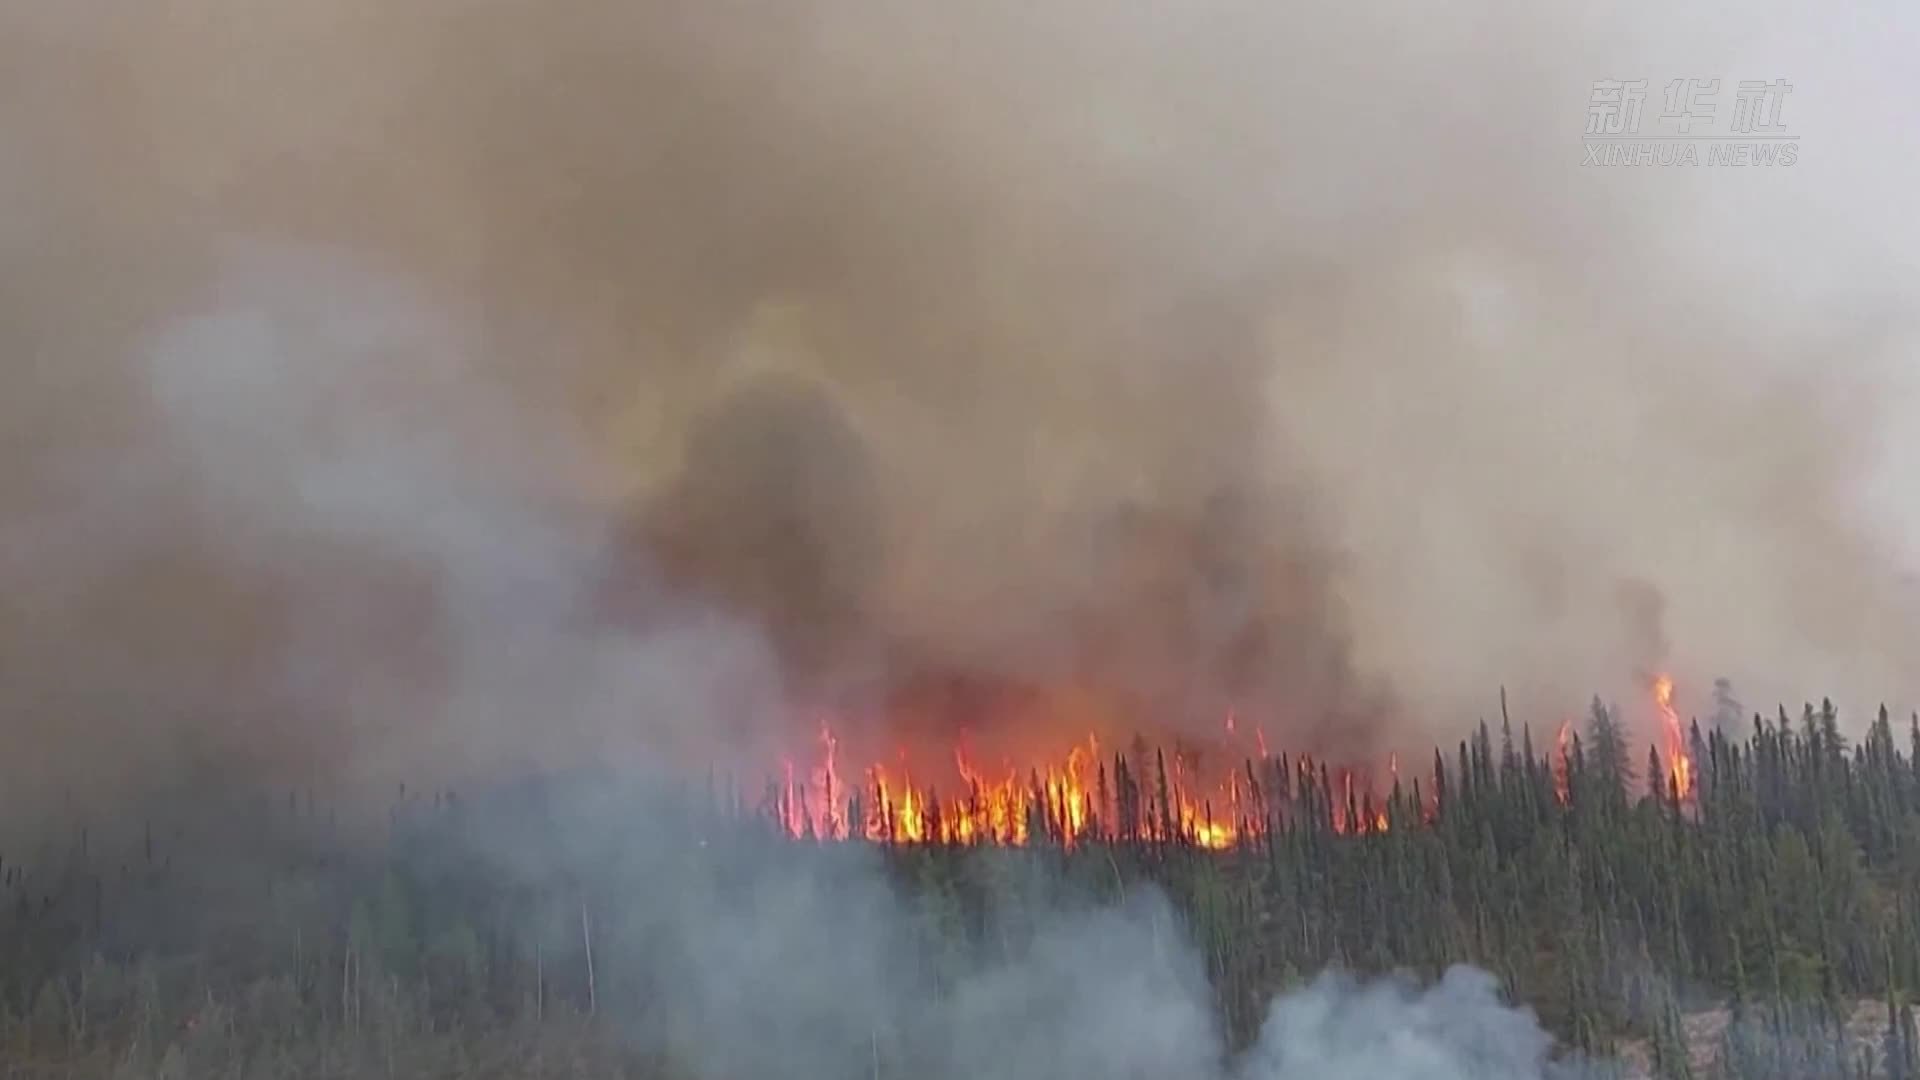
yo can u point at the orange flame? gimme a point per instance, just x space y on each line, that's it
1679 765
1075 799
827 778
1561 792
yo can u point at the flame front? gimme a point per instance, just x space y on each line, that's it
1080 796
1069 801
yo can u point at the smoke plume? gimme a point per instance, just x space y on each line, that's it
795 960
454 388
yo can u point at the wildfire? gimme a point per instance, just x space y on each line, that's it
1081 796
1679 764
1561 791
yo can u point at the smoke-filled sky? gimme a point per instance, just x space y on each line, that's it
454 386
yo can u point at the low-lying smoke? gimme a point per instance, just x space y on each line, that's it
453 388
810 962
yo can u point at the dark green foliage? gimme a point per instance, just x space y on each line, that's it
1781 886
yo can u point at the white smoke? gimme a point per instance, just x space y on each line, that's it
1458 1029
815 967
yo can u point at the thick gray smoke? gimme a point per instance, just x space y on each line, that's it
456 389
451 388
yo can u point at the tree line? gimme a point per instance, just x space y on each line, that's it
1779 888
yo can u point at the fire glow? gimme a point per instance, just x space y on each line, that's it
1679 764
1679 775
1562 791
1083 794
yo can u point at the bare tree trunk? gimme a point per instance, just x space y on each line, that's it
346 984
586 937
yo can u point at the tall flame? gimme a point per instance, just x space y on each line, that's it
1679 764
1076 798
1561 790
1081 797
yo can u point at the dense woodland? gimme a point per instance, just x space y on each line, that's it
497 934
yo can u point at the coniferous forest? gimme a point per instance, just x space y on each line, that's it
1765 925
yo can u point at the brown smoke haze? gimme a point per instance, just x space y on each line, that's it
434 388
